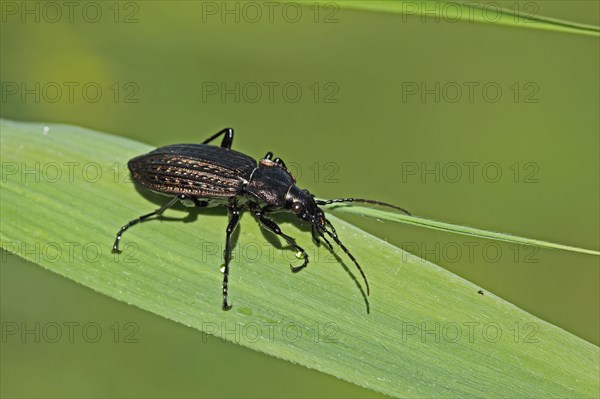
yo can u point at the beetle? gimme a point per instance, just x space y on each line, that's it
202 175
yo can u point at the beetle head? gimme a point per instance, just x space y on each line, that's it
302 204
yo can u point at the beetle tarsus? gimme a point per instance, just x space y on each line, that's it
275 229
296 269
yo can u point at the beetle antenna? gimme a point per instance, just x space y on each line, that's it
338 242
363 200
319 231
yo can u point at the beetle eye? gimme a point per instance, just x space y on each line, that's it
297 207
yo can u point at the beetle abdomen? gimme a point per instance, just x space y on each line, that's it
193 169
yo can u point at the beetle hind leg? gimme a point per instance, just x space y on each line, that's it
158 212
227 134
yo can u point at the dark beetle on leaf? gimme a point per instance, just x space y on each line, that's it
205 175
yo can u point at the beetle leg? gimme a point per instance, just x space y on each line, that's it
279 161
227 139
234 214
315 237
268 155
271 225
133 222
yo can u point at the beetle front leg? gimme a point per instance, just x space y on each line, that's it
227 139
271 225
234 218
133 222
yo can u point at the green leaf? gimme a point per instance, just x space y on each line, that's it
429 333
452 228
525 15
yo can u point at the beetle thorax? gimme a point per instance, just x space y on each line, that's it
270 183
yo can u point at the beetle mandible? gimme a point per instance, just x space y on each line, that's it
201 175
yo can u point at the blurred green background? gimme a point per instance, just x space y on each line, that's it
378 105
